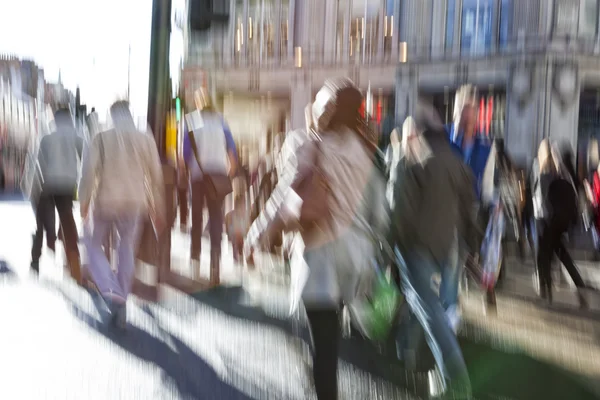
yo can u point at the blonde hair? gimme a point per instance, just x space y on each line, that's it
545 156
465 95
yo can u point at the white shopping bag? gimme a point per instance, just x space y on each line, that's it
299 273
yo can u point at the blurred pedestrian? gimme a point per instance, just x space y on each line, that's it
59 159
335 214
211 157
122 179
433 203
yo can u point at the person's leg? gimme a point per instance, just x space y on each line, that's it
64 205
100 270
38 237
197 217
128 229
324 325
544 262
450 282
215 217
182 198
427 308
565 258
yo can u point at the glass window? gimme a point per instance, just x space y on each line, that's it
588 18
343 32
388 28
284 34
450 15
506 12
477 23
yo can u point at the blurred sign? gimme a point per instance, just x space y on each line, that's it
171 137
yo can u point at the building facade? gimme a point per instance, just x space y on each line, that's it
535 62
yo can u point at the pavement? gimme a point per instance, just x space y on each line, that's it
237 342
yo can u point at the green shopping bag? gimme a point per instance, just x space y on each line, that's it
375 312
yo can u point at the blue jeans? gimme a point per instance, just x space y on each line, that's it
127 229
427 310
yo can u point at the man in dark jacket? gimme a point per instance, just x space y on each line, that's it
59 159
434 203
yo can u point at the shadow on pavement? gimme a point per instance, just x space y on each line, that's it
192 376
494 373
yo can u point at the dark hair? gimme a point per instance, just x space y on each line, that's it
347 109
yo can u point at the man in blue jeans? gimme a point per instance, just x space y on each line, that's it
433 209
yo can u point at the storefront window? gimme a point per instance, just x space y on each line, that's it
284 34
491 110
450 15
254 32
477 23
388 29
365 29
343 31
239 37
588 18
506 12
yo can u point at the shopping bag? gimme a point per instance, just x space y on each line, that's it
491 248
374 312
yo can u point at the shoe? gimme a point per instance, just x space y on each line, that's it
35 266
454 318
119 316
195 269
215 271
118 312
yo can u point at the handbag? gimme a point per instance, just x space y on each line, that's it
312 187
218 186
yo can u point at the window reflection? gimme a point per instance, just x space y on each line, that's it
450 14
284 34
477 22
506 12
239 30
388 29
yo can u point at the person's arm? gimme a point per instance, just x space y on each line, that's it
231 148
89 172
156 180
187 145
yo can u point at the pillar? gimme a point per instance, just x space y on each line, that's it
301 95
406 92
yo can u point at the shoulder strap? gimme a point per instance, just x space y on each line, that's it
195 149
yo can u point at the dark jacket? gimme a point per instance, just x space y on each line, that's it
433 201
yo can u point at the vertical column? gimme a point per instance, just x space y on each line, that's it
229 47
301 95
397 27
457 27
406 92
381 31
347 26
438 28
495 25
525 109
331 11
291 30
564 93
244 47
277 22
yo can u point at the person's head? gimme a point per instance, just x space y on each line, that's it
337 104
203 100
121 117
63 119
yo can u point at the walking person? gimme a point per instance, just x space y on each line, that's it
211 158
43 208
336 218
433 206
560 212
122 180
59 159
